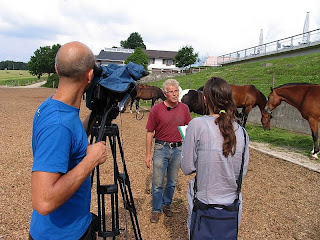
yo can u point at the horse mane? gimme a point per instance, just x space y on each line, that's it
160 92
294 84
261 94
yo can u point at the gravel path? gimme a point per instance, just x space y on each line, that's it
280 198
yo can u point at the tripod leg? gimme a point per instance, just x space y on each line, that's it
119 179
112 190
126 192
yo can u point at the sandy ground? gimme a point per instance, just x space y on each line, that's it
281 198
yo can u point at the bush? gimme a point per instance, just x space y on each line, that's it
52 82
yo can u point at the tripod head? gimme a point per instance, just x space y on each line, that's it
101 128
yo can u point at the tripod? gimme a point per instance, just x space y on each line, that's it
101 130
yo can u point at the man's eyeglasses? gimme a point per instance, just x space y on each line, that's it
172 92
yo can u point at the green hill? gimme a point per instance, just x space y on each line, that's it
263 75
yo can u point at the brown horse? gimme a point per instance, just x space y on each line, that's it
145 92
245 97
306 98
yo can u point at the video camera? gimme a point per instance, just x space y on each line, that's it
111 87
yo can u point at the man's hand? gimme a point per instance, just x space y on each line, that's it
148 161
97 152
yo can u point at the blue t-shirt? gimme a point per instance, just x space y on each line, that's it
59 143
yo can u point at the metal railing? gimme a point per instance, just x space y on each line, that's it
303 40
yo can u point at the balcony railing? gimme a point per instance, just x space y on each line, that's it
286 44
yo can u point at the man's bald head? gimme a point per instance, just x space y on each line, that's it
73 60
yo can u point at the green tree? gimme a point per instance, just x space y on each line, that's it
139 57
43 60
186 57
11 65
134 40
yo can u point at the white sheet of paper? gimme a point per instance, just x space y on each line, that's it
182 130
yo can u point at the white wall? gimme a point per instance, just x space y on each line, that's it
158 64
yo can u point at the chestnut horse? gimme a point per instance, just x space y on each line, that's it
306 98
245 97
145 92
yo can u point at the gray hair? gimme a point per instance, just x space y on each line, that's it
171 82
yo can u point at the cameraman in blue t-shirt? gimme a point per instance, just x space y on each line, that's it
63 161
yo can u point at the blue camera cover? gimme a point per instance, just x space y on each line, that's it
116 78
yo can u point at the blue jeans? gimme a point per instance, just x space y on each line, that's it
165 160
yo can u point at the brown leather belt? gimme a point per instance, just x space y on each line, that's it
170 144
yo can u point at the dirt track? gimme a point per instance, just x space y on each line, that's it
281 199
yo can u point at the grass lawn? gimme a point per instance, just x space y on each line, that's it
18 78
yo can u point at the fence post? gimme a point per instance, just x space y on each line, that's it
234 80
273 80
189 83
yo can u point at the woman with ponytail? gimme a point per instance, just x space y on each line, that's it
213 148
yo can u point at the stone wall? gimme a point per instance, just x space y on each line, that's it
158 76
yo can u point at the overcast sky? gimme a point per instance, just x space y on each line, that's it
211 27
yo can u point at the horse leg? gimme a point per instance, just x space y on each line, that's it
242 116
314 125
132 101
137 105
238 116
246 112
245 117
152 102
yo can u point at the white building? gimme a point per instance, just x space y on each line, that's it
158 60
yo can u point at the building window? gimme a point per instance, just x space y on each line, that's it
151 60
167 62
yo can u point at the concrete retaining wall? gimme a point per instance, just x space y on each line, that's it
284 116
158 76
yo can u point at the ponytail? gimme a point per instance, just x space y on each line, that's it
225 123
218 95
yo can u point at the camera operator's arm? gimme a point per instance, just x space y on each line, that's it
149 139
51 190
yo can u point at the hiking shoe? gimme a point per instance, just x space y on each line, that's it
154 217
167 211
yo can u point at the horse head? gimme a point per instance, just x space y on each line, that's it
266 119
274 101
195 102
